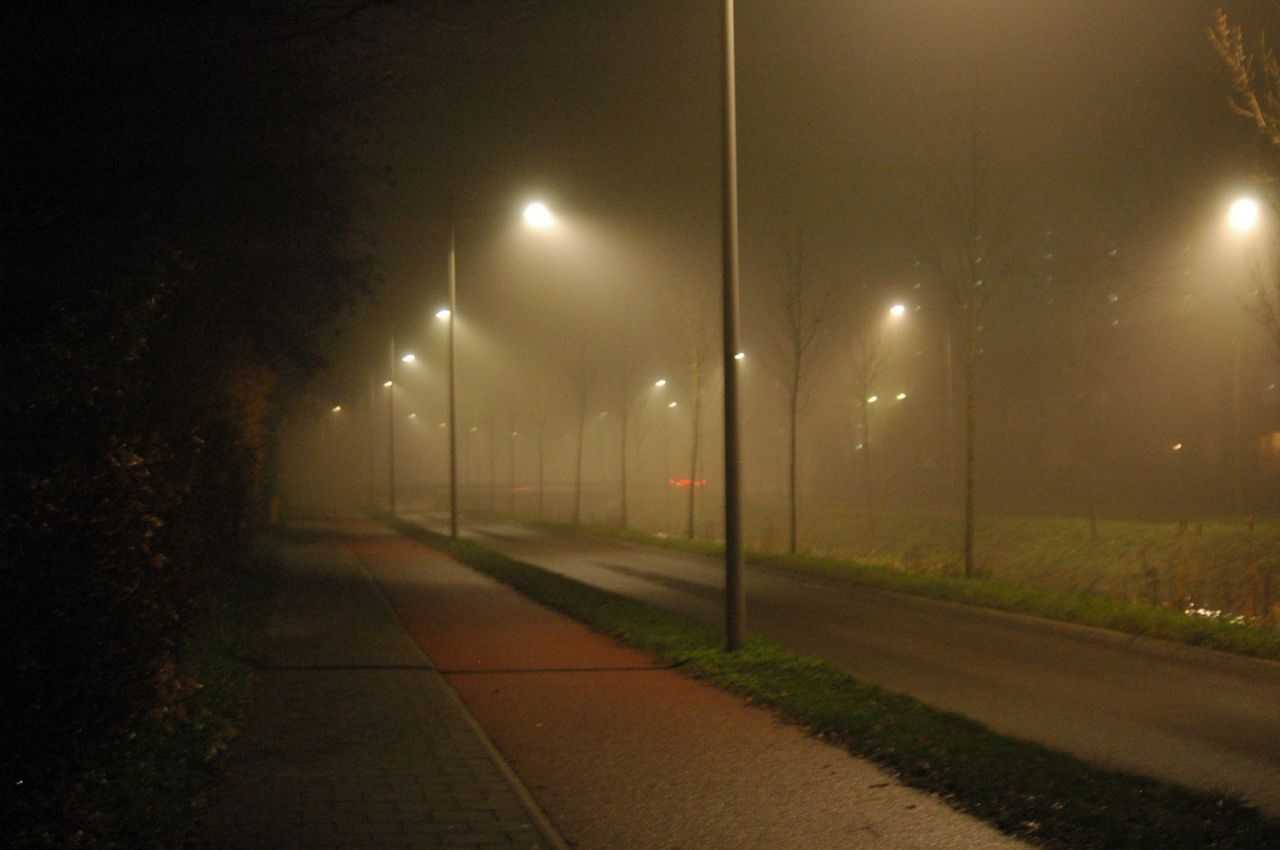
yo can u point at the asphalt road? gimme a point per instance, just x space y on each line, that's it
1200 718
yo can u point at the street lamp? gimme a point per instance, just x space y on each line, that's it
391 421
1243 215
734 594
1242 219
536 215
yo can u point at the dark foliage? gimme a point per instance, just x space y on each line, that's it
171 232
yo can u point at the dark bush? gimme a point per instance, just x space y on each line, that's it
172 247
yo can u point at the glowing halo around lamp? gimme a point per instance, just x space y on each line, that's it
1243 215
537 215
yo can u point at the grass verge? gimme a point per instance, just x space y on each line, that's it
1082 608
1022 788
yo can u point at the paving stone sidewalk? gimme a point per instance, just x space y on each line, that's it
352 739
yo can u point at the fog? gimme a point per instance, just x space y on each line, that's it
1118 374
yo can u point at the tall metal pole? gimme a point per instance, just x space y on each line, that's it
453 406
734 595
391 428
1237 432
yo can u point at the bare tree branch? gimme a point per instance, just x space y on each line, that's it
805 306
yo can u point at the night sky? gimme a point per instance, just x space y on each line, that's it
1105 130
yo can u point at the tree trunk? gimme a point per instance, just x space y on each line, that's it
511 475
867 484
493 462
373 453
791 465
1092 441
391 431
541 469
970 446
577 479
1237 431
623 466
693 458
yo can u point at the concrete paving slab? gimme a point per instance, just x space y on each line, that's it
352 740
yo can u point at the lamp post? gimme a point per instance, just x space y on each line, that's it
373 451
390 385
869 364
1242 219
536 215
391 426
734 594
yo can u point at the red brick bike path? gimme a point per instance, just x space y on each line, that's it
623 753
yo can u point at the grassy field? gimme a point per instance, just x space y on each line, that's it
1212 566
1156 602
1010 592
1024 789
1222 568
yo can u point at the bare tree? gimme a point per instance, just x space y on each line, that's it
512 435
699 319
629 383
1091 290
971 245
538 423
1254 74
582 385
805 305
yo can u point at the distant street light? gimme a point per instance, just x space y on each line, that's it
389 384
337 408
661 382
898 311
536 215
